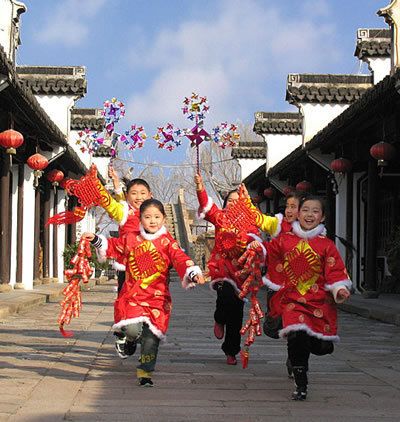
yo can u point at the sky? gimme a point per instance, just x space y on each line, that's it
150 54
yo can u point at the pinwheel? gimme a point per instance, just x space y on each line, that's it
133 138
225 135
113 110
168 137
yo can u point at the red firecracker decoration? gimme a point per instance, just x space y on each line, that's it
72 302
55 177
251 262
288 189
269 193
11 139
304 186
383 152
341 165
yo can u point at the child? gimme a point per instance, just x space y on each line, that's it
222 266
306 270
143 308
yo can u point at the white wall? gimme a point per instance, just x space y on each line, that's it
248 165
14 208
58 108
317 116
28 231
61 237
279 146
379 67
9 31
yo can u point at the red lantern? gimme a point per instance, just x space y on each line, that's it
304 186
11 139
269 193
37 162
341 165
55 176
288 189
383 152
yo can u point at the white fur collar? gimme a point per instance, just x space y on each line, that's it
152 236
308 234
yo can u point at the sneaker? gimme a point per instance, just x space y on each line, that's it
219 330
129 348
300 394
231 360
146 382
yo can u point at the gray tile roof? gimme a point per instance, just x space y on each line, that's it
277 123
373 43
317 88
87 118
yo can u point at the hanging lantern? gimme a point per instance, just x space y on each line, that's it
383 152
304 186
55 177
38 163
11 139
341 165
288 189
269 193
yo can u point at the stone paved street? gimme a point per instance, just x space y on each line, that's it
44 377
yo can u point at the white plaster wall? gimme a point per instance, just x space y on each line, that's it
379 67
248 165
28 229
84 156
8 12
102 165
279 146
58 108
51 234
317 116
61 237
14 207
341 206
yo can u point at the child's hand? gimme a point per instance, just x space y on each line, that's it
198 180
112 174
255 244
88 236
199 279
342 295
245 191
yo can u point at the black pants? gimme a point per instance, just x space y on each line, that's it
229 312
121 280
300 345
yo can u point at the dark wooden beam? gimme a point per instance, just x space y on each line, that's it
4 219
46 231
36 248
20 222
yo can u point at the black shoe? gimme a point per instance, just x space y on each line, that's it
120 348
289 368
129 348
146 382
300 394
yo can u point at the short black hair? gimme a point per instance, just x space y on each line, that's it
300 196
137 182
314 198
152 203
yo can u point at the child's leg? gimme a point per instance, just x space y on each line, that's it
148 353
121 280
299 353
233 309
320 347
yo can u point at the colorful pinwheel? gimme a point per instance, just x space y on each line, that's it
133 138
195 107
225 135
168 136
113 110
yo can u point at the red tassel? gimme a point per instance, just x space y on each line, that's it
66 334
67 217
244 357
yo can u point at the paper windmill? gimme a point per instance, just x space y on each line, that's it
133 138
89 141
225 135
113 110
195 107
168 136
196 135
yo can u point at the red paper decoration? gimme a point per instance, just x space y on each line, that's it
55 176
37 162
304 186
269 193
383 152
11 139
341 165
288 189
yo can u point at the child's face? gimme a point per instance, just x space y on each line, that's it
292 209
233 197
137 194
310 214
152 219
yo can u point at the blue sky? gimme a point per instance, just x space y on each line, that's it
151 53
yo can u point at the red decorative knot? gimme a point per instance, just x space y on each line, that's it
341 165
304 186
11 139
269 193
37 162
55 176
383 152
63 182
288 189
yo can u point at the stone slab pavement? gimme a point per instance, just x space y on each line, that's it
44 377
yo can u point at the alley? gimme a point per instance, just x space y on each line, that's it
44 377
